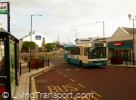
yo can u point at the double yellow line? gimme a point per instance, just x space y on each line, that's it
33 85
96 96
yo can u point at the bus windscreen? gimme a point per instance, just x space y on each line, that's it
97 52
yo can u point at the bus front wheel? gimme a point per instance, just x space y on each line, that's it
68 60
80 63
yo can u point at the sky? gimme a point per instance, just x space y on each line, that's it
65 18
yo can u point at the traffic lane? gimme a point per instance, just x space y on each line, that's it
54 81
57 61
111 83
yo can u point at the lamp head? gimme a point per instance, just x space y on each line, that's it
36 15
129 16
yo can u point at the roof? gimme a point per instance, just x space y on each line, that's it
88 40
2 30
4 33
129 30
69 45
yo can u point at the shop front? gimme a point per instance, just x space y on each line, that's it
8 65
120 48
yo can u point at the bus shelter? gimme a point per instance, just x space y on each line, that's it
9 63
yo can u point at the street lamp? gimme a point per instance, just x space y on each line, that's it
103 28
133 52
31 29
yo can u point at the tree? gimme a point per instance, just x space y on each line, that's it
32 45
26 45
50 45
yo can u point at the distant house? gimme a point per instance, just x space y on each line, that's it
37 38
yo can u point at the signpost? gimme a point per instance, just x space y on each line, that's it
5 9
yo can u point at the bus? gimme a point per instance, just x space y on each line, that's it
86 52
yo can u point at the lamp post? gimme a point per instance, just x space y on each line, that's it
103 28
31 30
133 52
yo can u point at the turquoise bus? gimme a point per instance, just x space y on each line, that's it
87 53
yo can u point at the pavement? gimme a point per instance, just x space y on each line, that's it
125 64
22 90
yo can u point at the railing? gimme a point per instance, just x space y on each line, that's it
33 64
23 67
129 62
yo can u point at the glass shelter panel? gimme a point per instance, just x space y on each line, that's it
3 75
2 63
12 68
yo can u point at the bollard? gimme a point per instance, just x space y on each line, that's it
37 64
126 58
126 62
48 61
43 62
20 69
29 65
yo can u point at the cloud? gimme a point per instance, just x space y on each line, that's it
60 16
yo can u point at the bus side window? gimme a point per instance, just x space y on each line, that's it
72 51
77 51
85 51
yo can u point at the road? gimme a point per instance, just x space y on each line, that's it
78 83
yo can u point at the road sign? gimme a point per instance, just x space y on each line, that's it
3 7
